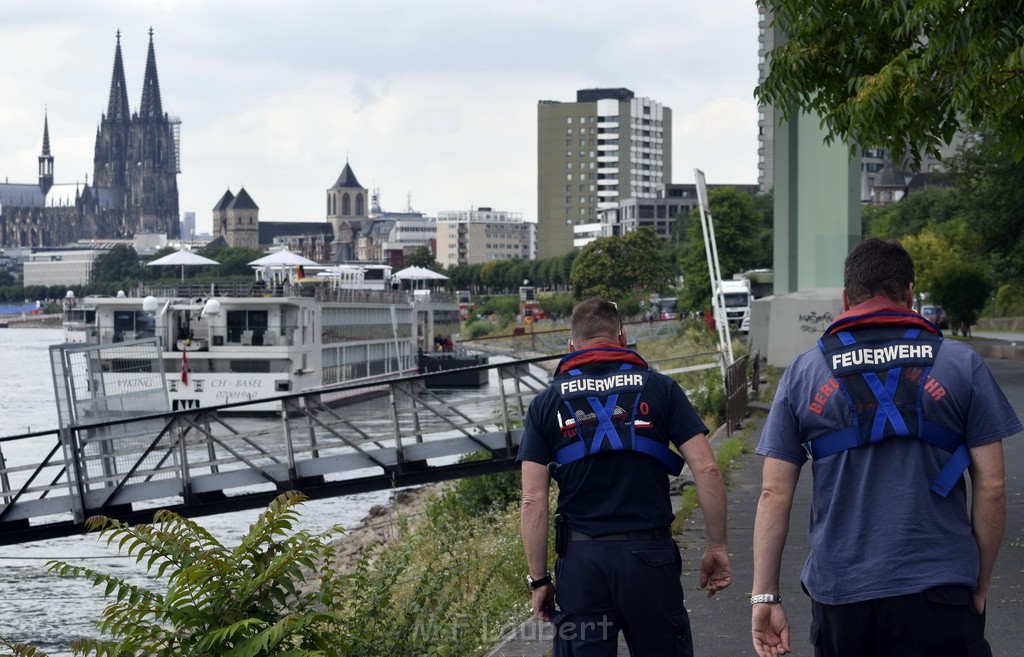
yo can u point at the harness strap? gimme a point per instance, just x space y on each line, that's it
673 462
934 434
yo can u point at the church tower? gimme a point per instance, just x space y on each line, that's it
111 154
46 160
347 209
153 160
242 221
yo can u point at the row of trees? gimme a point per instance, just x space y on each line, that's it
910 76
122 264
633 266
964 233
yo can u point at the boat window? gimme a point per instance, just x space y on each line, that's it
251 324
133 325
250 366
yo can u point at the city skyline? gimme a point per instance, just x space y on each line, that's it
437 103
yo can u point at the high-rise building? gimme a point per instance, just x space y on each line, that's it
765 113
606 146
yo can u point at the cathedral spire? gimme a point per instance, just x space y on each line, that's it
45 158
117 106
151 106
46 133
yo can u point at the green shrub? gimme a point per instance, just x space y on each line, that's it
709 399
561 303
450 589
479 330
1010 301
215 600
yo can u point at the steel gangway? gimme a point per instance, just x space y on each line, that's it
204 461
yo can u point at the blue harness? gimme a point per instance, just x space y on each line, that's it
602 412
883 376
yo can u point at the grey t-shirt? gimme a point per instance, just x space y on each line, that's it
876 530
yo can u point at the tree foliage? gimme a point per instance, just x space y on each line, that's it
234 261
422 256
613 267
963 292
901 75
741 236
912 214
990 191
216 600
120 264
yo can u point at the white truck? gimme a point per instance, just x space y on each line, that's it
736 301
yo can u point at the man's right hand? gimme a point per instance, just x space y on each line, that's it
544 602
769 627
715 571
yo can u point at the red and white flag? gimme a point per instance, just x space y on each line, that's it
184 368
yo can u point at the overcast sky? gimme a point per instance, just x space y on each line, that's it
433 99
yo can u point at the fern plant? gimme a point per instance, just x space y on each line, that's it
242 602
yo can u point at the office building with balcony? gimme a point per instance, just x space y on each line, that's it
607 146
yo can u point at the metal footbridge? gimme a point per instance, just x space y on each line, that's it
213 460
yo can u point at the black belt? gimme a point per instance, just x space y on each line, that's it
645 535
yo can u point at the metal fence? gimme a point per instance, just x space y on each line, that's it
737 391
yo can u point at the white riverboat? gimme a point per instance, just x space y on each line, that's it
224 343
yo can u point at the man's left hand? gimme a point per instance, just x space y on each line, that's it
715 571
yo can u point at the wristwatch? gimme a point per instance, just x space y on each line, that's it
539 582
766 598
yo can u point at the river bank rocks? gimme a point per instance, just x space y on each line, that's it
384 524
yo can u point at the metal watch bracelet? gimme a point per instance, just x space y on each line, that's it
766 598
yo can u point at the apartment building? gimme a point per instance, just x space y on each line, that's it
607 146
466 237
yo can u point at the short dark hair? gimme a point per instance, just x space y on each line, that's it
595 318
877 267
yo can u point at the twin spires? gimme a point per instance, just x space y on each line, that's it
117 105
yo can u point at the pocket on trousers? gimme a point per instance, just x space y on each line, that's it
949 595
979 648
684 640
657 557
815 633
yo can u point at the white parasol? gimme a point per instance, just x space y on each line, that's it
283 258
182 258
420 274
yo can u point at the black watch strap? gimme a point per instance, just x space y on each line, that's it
539 582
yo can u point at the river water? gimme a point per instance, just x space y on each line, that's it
49 611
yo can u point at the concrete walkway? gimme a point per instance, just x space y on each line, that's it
721 625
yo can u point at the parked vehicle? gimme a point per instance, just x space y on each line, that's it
663 308
736 295
936 315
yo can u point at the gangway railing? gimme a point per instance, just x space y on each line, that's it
204 461
532 338
214 460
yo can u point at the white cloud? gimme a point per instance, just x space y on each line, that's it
437 100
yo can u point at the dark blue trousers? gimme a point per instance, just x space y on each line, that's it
604 587
939 622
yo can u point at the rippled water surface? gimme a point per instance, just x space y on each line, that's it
46 610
